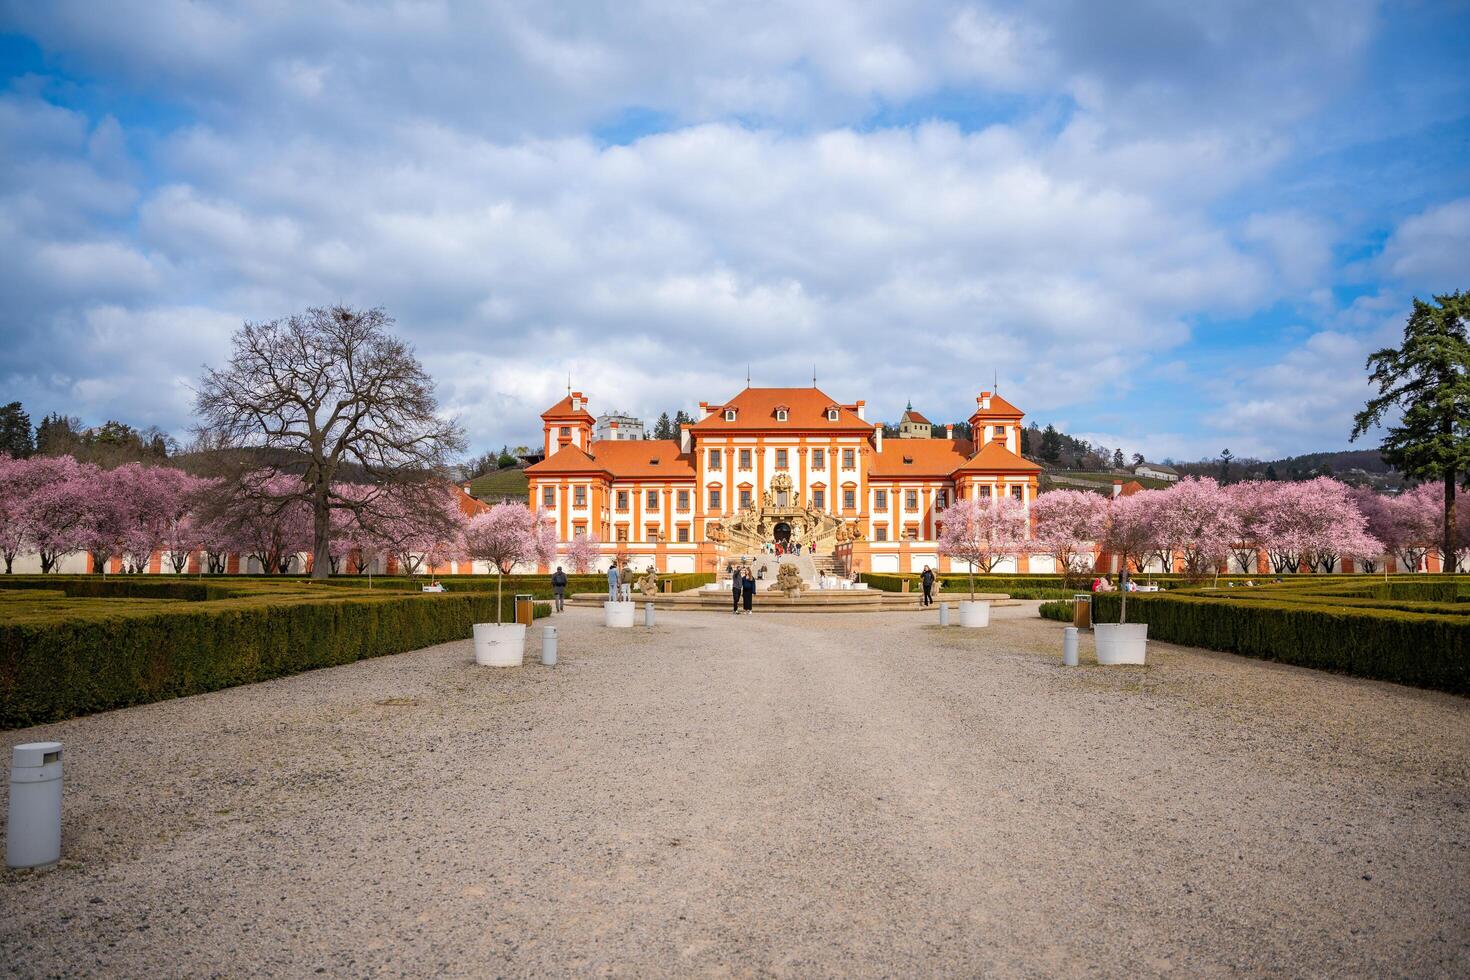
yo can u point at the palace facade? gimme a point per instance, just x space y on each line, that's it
774 465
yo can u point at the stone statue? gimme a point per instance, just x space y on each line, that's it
716 532
648 584
788 579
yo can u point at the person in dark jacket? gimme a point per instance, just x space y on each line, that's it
559 588
926 577
736 577
747 591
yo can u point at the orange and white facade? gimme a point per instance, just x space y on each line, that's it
787 464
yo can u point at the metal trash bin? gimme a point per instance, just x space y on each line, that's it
1082 610
524 613
33 832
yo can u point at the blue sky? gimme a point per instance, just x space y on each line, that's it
1167 229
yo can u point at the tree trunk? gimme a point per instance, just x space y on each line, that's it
1448 565
321 537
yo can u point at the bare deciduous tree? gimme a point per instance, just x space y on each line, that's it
320 395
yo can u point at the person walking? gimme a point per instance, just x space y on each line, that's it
747 593
926 578
735 588
612 582
559 588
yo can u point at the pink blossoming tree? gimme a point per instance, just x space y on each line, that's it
1132 532
1198 518
582 553
508 535
981 533
1068 523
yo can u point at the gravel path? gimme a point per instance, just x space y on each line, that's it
789 795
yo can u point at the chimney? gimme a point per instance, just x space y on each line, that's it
949 432
878 437
612 430
984 401
1117 488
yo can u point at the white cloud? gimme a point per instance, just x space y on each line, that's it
1431 250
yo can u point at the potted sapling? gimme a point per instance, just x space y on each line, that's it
505 536
981 533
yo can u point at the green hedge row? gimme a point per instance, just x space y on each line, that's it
536 585
110 657
1423 650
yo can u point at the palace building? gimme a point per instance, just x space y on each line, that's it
777 465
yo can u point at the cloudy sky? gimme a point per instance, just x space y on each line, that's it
1167 226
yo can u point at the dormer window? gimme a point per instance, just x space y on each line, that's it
729 415
783 414
908 459
831 415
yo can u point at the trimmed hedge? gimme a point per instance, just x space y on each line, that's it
1060 610
1417 648
102 654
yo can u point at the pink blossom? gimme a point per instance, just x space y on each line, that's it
981 533
1068 522
508 535
582 553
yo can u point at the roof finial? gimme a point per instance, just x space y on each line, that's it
569 384
814 375
995 381
747 374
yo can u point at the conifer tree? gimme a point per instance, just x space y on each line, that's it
1428 381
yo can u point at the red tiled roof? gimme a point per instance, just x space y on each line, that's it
755 408
564 410
927 458
620 459
912 416
998 406
994 457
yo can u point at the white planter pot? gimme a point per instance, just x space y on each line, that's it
500 644
1121 643
974 613
618 615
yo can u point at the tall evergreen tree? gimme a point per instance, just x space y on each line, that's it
1428 381
663 427
1051 444
15 431
1025 442
1225 457
1118 461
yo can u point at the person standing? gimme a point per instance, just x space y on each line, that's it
747 592
926 578
559 588
736 578
612 582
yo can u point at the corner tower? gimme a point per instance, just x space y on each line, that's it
567 423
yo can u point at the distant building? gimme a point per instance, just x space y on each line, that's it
913 425
616 426
1156 471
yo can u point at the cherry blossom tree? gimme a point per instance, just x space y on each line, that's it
421 530
1132 531
582 553
59 513
507 535
1197 517
1248 502
1315 523
20 481
272 527
1068 523
981 533
1418 515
